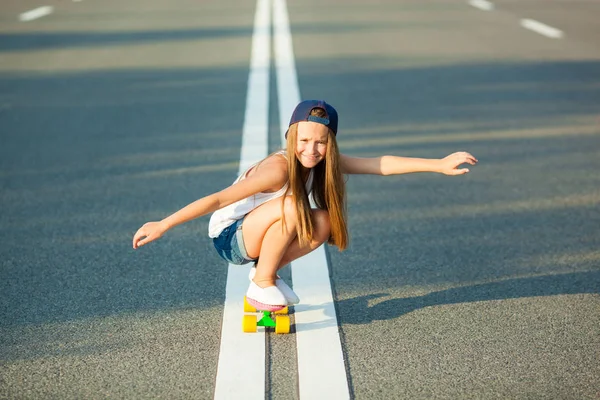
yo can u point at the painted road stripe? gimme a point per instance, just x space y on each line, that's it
35 13
288 92
542 29
482 5
241 367
321 370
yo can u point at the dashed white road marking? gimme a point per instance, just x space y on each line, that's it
542 29
35 13
241 367
482 4
321 369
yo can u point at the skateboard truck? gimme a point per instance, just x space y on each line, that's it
266 320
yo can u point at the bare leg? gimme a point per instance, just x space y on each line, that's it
275 247
320 236
276 244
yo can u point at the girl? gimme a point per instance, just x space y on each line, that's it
266 218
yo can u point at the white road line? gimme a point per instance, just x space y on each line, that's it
482 5
542 29
241 368
35 13
321 370
285 66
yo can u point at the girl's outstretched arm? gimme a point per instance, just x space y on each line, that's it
269 177
393 165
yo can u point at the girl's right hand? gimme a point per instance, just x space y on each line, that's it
149 232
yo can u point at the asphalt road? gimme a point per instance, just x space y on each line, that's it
481 286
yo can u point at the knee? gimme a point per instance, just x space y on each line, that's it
322 227
320 220
289 210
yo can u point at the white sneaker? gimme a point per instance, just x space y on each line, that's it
265 299
290 296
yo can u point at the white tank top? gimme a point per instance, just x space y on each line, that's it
226 216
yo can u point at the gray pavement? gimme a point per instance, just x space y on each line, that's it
112 114
482 286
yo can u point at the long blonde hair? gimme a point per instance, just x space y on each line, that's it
328 189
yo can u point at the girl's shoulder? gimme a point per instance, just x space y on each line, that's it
273 161
272 171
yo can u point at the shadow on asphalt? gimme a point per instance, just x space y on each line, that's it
33 41
358 311
10 42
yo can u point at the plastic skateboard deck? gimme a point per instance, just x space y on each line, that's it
273 319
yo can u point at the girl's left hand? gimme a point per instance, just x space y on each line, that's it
449 165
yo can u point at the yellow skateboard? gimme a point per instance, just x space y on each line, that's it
277 319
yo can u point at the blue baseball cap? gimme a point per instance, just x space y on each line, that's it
302 113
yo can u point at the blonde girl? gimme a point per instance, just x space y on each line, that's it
265 216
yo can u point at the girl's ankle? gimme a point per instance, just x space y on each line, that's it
264 283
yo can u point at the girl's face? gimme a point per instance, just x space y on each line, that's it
311 145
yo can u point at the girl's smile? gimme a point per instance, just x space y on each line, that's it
311 146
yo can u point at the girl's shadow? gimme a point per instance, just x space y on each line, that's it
358 311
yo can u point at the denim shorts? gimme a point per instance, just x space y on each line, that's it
230 244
